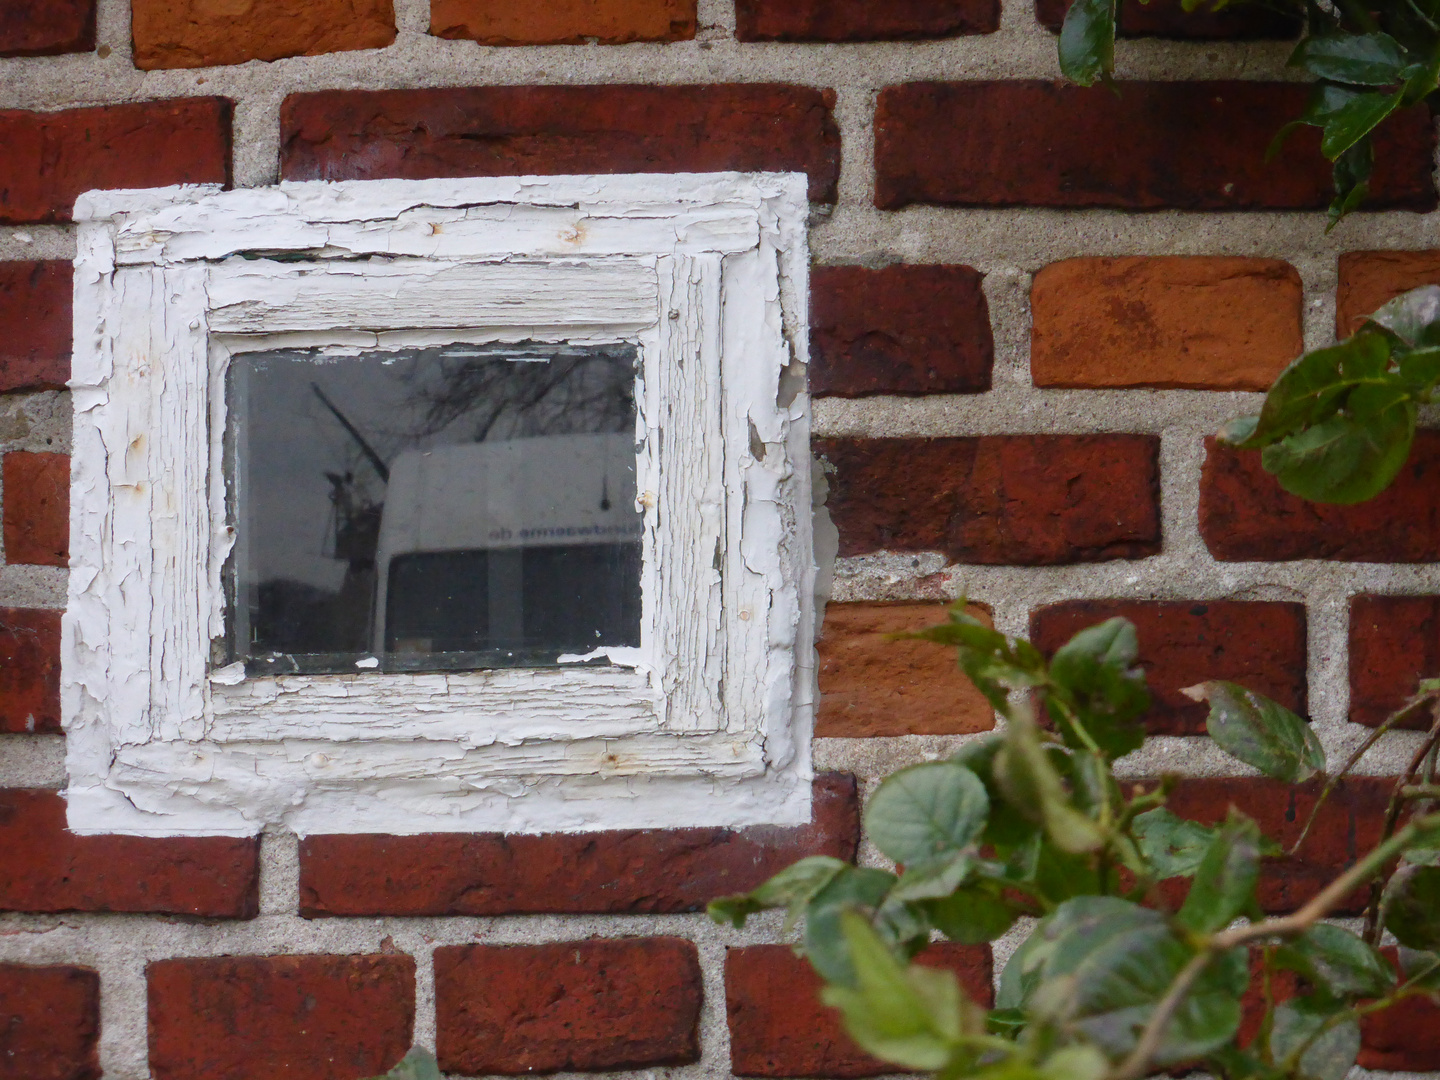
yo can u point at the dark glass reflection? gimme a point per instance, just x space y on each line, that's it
458 507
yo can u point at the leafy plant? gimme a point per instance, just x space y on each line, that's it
1113 982
418 1064
1366 59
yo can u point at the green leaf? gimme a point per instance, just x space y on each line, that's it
1335 960
1420 370
1260 732
1347 458
1351 180
1097 678
1358 59
1411 906
1422 968
933 879
1005 828
825 945
993 662
1224 884
972 915
1172 845
1313 388
1354 119
1331 1055
1033 787
927 811
792 887
1076 1062
1413 318
418 1064
1087 41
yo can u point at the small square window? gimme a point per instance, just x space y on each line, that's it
454 505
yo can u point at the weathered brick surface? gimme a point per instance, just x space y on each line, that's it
1394 643
1370 278
1168 19
562 22
900 330
34 325
49 1023
1348 825
1260 645
200 33
1201 323
778 1027
862 20
48 868
260 1017
29 670
1024 500
31 28
870 685
36 509
572 1005
1404 1037
1246 515
505 130
659 870
51 157
1041 143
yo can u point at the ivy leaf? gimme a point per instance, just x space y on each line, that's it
927 811
792 887
1337 961
1348 458
1411 906
1087 41
1358 59
1224 883
1331 1055
1172 845
1260 732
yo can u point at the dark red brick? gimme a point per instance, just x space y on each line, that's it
509 130
49 1023
778 1026
1260 645
1394 643
900 330
29 670
1369 279
1348 826
1168 19
637 871
567 1006
35 517
1019 500
863 20
51 157
34 325
49 869
1151 146
48 28
261 1017
1404 1037
1245 515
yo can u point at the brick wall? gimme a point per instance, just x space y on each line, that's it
1031 304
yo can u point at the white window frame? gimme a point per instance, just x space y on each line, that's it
706 723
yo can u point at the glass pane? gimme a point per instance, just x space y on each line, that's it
457 507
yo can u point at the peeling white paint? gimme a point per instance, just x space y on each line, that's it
706 723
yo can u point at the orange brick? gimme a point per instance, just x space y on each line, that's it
1194 323
1370 278
872 686
562 22
203 33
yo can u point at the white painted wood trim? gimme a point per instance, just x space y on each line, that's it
706 723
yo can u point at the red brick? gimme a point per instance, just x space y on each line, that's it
1200 323
1348 826
639 871
200 33
567 1006
50 869
900 330
563 22
34 325
1245 515
1404 1037
863 20
49 1023
778 1027
51 157
509 130
1168 19
36 510
1371 278
1260 645
1042 143
259 1017
28 28
1018 500
1394 643
29 670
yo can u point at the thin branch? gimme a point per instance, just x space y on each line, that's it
1138 1063
1392 817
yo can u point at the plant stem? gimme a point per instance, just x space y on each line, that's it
1138 1063
1392 816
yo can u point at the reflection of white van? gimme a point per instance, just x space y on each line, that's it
527 544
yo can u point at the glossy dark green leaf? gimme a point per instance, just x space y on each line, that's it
1351 180
1087 41
1358 59
971 915
1411 906
1413 317
792 887
1260 732
1420 370
1333 959
1354 120
854 887
1096 678
1332 1054
1173 846
1347 459
1313 387
927 811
